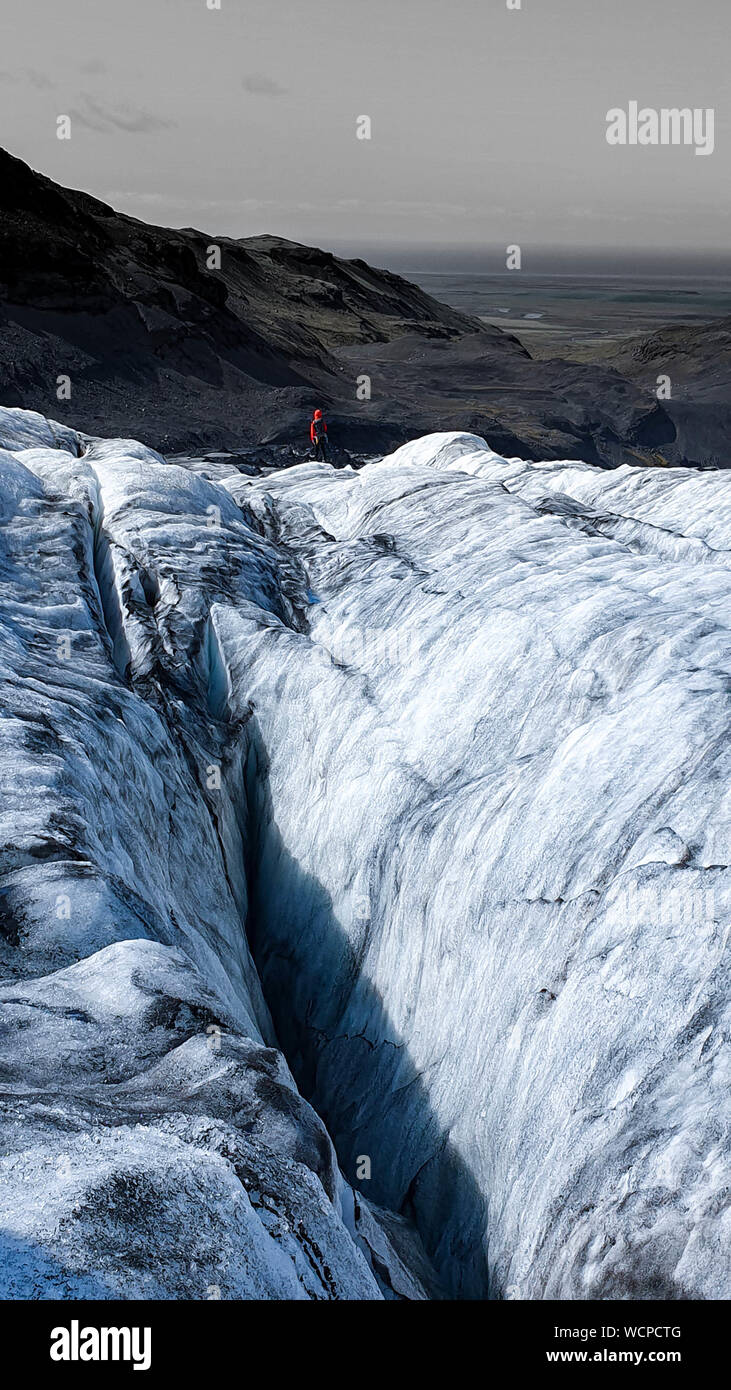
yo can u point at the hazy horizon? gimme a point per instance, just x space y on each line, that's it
464 259
545 261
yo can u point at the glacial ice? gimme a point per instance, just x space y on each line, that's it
449 735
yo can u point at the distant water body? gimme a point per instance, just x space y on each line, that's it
565 305
565 293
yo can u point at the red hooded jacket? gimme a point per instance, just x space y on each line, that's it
317 427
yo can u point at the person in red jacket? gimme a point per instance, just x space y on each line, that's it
318 435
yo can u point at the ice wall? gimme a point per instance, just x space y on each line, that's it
153 1142
491 903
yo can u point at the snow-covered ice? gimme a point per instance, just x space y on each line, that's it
450 735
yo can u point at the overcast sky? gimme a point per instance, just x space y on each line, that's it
488 124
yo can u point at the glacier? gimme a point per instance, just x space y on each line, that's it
364 875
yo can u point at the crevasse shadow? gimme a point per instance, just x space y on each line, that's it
347 1057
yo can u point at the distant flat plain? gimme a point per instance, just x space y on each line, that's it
579 316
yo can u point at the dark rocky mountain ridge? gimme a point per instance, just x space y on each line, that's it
697 359
159 346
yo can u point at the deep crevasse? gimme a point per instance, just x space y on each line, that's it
475 709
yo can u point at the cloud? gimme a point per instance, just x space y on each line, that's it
94 116
260 86
28 76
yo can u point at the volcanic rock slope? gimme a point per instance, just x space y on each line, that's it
446 742
146 330
158 337
696 360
